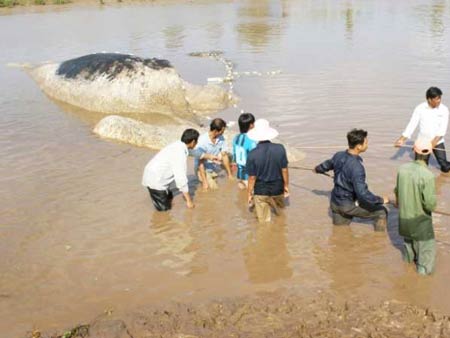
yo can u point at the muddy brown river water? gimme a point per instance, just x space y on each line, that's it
78 235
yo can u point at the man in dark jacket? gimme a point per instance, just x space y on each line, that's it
350 196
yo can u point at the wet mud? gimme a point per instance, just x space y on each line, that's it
268 315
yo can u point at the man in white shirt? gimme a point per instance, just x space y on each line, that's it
432 118
167 166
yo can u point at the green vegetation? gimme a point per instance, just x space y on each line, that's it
79 331
13 3
8 3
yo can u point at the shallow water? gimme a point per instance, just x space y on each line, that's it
78 235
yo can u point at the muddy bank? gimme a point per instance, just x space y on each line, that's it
269 315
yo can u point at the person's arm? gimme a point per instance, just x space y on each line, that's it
179 169
395 202
324 167
251 170
188 199
429 201
363 195
285 174
250 188
200 153
435 141
442 130
409 130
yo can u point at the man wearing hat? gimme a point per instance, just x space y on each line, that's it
415 194
267 168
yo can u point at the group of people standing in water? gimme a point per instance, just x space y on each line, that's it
262 170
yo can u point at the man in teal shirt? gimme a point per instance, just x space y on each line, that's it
415 194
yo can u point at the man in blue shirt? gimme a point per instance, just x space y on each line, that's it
211 154
268 176
242 145
350 196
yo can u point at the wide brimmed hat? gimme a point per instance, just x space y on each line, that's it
423 147
262 131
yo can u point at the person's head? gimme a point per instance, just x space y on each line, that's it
357 140
423 149
217 127
190 138
246 122
433 95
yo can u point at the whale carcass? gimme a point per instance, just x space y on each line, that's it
122 83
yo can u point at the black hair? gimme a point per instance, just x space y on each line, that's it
433 92
189 135
355 137
217 124
245 120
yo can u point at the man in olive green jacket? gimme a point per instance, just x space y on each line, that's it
415 194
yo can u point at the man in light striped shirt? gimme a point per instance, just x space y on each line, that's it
168 166
432 118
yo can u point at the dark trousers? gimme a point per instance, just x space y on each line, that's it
162 199
441 157
343 215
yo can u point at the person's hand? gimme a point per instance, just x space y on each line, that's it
399 142
250 200
286 192
190 204
385 200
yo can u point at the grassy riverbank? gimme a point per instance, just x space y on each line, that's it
32 3
14 3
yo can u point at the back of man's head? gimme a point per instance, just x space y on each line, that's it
245 121
355 137
433 92
189 135
217 124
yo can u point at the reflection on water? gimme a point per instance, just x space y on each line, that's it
265 255
77 227
174 36
174 241
349 22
